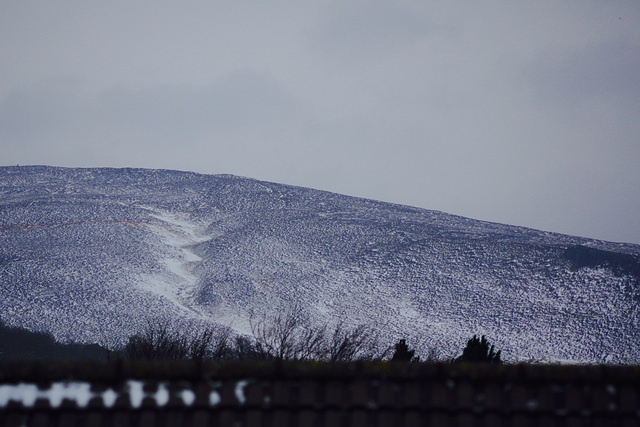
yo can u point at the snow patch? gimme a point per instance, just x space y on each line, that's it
188 397
177 283
214 398
409 312
239 391
28 394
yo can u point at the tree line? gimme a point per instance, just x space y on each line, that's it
285 336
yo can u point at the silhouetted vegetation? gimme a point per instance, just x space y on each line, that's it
478 350
159 342
402 353
162 342
290 336
285 336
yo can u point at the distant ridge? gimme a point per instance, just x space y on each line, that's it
91 254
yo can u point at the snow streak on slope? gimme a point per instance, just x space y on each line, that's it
178 283
91 254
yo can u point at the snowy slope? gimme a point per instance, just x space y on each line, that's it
91 254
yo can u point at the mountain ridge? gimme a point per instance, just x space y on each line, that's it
88 254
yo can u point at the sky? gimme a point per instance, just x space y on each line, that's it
524 113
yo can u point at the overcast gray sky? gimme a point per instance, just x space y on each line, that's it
520 112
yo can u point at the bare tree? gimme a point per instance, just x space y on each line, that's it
278 336
311 342
220 346
155 343
360 343
162 342
289 335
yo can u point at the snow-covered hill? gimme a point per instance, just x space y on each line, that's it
91 254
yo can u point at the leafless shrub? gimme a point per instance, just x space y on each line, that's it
360 343
220 347
161 342
285 335
289 335
278 336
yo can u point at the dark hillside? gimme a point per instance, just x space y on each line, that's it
20 344
620 263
